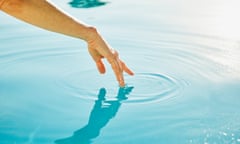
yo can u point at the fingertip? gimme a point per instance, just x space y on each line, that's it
101 67
120 80
121 84
128 71
101 71
131 73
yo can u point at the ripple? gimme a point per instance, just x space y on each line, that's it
153 87
147 87
194 55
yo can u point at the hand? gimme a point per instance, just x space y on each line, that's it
99 49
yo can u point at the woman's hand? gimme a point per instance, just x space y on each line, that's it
43 14
99 49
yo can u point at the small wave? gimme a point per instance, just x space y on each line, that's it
147 87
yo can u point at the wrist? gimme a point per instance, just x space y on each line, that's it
91 35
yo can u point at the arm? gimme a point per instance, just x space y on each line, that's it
45 15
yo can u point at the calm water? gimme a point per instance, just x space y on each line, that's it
186 88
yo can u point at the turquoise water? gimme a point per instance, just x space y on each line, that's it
186 88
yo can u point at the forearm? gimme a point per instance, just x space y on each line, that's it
43 14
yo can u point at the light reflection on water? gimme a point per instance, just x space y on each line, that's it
186 88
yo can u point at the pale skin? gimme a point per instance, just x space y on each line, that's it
45 15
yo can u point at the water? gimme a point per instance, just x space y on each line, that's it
185 90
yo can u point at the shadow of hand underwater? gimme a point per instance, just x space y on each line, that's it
102 112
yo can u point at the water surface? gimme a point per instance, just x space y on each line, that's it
185 90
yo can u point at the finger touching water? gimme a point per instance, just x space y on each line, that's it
119 67
99 49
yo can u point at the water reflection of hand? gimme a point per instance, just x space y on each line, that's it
86 3
103 110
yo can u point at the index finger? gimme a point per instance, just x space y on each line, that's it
117 69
